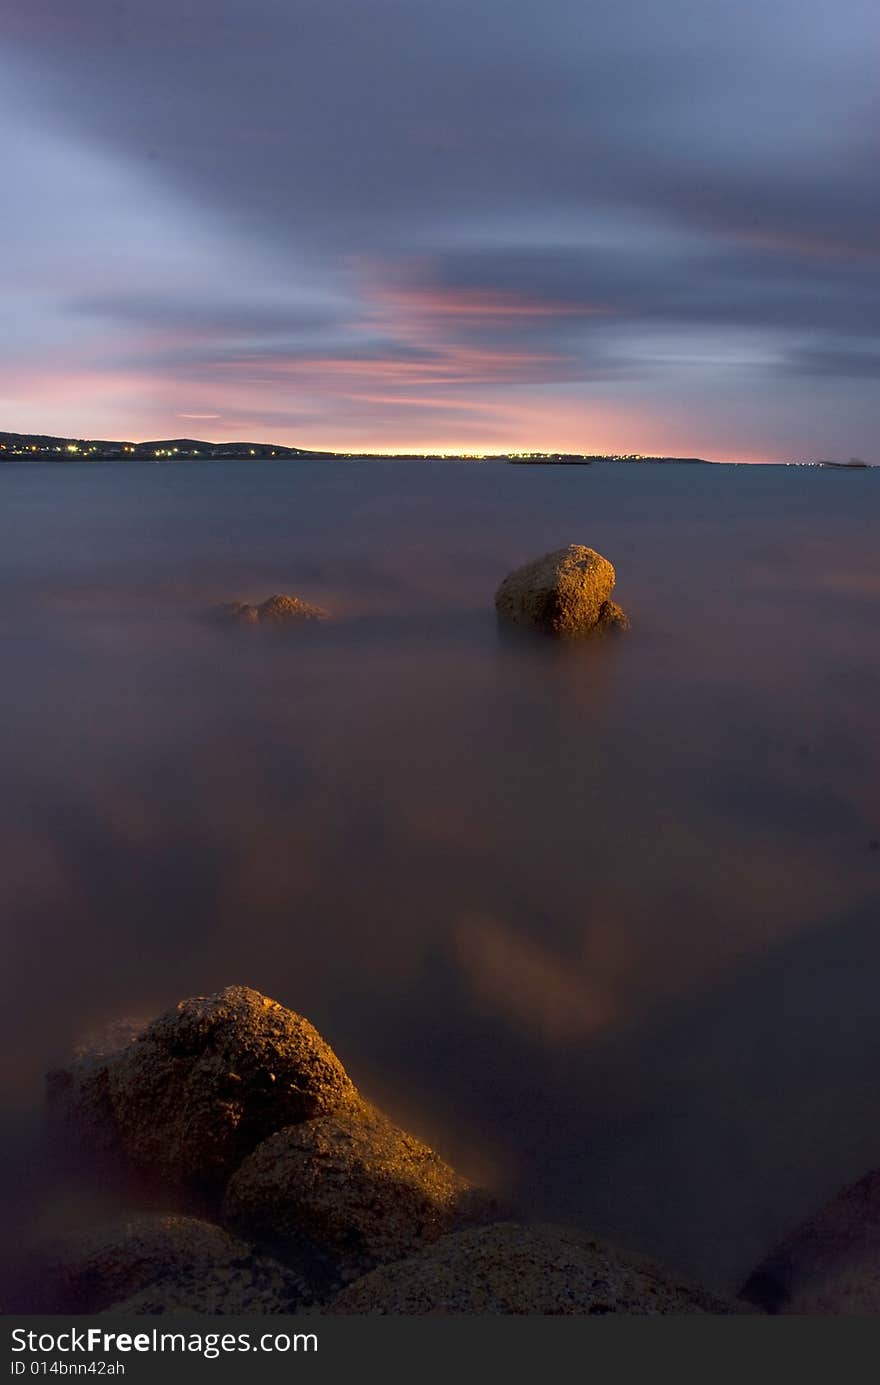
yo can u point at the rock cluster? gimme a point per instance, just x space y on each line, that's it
232 1104
566 592
235 1105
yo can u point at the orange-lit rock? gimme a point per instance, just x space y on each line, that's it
353 1184
277 610
206 1082
566 592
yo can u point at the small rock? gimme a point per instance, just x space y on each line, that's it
567 592
287 610
513 1269
278 610
829 1264
206 1082
352 1183
611 617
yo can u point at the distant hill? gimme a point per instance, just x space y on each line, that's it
50 448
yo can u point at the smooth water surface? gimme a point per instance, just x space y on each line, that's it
599 920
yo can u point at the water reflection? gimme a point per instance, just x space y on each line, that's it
592 918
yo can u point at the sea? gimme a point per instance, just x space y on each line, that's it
600 920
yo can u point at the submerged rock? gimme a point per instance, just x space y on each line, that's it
513 1269
164 1259
78 1094
567 592
353 1184
829 1264
277 610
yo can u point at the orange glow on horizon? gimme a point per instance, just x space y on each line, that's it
497 420
413 377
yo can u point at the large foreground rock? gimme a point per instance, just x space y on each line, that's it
205 1083
168 1259
513 1269
353 1184
186 1098
830 1264
567 592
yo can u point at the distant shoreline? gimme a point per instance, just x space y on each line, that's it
44 447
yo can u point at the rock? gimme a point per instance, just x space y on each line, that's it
256 1285
353 1184
567 592
830 1264
278 610
78 1094
287 610
205 1083
513 1269
611 617
177 1259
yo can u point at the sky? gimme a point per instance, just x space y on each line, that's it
586 225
